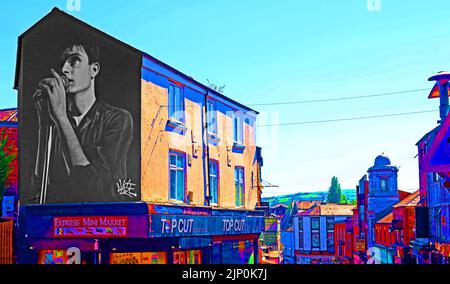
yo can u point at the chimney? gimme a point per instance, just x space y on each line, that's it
442 79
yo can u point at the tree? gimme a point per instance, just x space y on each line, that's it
334 192
6 159
343 199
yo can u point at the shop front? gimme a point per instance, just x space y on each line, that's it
314 258
137 233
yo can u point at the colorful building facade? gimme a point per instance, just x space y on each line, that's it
343 241
433 211
315 232
9 194
198 174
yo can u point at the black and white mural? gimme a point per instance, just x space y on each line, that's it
79 114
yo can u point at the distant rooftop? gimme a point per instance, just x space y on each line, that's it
411 200
8 115
386 219
330 209
305 205
279 205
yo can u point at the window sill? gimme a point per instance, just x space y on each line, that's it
176 201
238 146
213 138
176 124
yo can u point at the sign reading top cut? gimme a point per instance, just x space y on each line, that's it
79 109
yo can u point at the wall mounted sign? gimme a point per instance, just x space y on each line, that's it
191 225
90 226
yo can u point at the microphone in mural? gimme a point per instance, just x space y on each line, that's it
83 142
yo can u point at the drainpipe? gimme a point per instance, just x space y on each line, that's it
442 79
207 201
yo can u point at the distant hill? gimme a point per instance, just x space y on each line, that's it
307 196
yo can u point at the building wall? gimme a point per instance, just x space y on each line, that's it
157 139
11 132
287 241
439 204
383 236
307 232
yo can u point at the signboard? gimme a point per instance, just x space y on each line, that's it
8 206
53 257
360 245
90 226
138 258
191 225
269 238
270 224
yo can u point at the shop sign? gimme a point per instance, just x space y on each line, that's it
138 258
8 206
270 224
90 226
191 225
360 245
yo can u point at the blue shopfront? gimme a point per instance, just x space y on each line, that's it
138 233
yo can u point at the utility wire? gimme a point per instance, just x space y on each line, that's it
346 119
341 98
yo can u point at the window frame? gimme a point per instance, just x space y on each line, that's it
385 188
301 239
326 221
312 240
217 176
176 168
236 179
176 114
211 117
238 130
318 223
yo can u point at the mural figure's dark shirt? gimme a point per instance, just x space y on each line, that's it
105 134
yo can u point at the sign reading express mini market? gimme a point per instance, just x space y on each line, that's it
189 225
90 226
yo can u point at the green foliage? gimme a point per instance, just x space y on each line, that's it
5 162
334 192
343 199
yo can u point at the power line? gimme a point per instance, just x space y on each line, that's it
346 119
341 98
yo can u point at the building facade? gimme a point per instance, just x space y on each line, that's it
343 241
193 158
315 230
432 243
377 192
9 189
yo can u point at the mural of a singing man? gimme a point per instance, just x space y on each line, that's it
90 138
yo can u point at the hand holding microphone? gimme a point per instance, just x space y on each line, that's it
52 94
40 94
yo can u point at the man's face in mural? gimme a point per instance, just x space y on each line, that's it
76 66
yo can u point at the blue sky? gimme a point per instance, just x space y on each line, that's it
296 50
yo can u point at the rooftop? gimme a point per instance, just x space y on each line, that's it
386 219
330 209
411 200
305 205
278 205
382 160
8 115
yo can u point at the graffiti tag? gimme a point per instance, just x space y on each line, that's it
126 187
